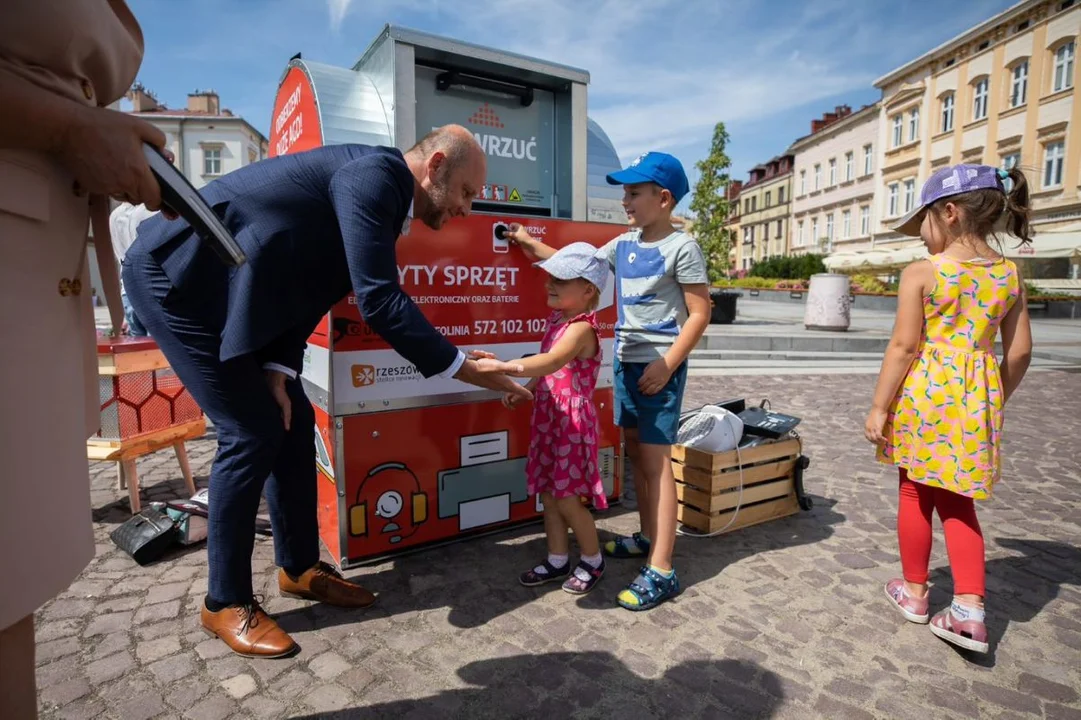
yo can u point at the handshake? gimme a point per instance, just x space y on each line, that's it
485 370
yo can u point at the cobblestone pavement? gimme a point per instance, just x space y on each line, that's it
786 619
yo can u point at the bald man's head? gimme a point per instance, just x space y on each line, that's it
449 166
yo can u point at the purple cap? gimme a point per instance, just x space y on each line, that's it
948 181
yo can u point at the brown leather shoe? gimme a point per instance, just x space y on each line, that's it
248 631
324 584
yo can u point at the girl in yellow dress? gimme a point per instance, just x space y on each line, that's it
937 412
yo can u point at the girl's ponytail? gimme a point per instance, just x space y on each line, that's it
1017 207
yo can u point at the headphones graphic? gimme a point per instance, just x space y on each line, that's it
392 484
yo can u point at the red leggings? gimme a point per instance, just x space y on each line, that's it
964 540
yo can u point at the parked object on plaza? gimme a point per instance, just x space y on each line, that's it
725 491
144 408
828 303
723 310
146 536
407 462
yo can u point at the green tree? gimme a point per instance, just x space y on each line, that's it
710 207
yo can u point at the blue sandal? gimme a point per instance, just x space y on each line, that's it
625 546
532 578
649 590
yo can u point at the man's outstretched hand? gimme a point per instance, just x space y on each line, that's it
491 373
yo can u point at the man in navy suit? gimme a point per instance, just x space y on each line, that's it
314 226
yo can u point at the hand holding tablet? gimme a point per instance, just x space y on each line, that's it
178 195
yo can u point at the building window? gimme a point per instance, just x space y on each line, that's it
780 196
769 198
799 233
910 194
846 224
914 125
898 130
850 163
979 100
1064 67
1052 164
754 203
947 113
865 220
833 171
211 161
1009 162
780 228
1019 85
868 163
746 206
891 200
818 176
802 182
814 230
829 226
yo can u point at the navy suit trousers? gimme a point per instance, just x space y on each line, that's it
254 449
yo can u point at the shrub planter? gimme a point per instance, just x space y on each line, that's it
723 306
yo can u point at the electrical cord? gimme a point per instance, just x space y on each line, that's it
739 502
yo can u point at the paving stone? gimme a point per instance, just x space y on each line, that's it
329 666
783 620
142 707
240 686
108 623
214 707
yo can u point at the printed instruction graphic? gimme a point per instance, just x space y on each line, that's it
514 196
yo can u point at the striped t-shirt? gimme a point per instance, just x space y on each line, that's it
649 296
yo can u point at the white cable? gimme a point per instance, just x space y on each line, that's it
739 503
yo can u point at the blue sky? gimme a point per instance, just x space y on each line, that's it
662 71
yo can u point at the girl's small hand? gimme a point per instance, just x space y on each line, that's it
872 429
510 401
482 355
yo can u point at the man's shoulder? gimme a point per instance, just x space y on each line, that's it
364 159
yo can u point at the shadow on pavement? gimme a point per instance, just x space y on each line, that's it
477 580
1018 587
590 684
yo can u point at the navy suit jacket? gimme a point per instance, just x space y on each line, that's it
313 225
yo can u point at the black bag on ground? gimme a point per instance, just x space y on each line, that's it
145 536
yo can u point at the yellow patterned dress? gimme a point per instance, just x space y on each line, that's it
945 423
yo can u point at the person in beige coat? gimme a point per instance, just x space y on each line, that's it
62 155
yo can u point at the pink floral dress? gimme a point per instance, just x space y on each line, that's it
562 456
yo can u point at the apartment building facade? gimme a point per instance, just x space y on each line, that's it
833 188
1003 93
207 140
732 224
764 217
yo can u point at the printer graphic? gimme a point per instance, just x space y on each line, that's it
482 490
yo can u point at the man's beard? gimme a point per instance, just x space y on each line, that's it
434 214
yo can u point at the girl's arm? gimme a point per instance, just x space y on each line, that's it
576 338
531 246
1016 345
904 344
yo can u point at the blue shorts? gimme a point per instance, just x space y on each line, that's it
655 416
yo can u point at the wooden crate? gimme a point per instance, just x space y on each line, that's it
708 485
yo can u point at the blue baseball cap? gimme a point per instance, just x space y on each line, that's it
952 180
577 260
654 167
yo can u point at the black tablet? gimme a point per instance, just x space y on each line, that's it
182 198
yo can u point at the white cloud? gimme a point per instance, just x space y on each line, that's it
338 10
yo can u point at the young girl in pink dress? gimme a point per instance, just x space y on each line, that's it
562 462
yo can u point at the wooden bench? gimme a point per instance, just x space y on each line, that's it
144 408
708 485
